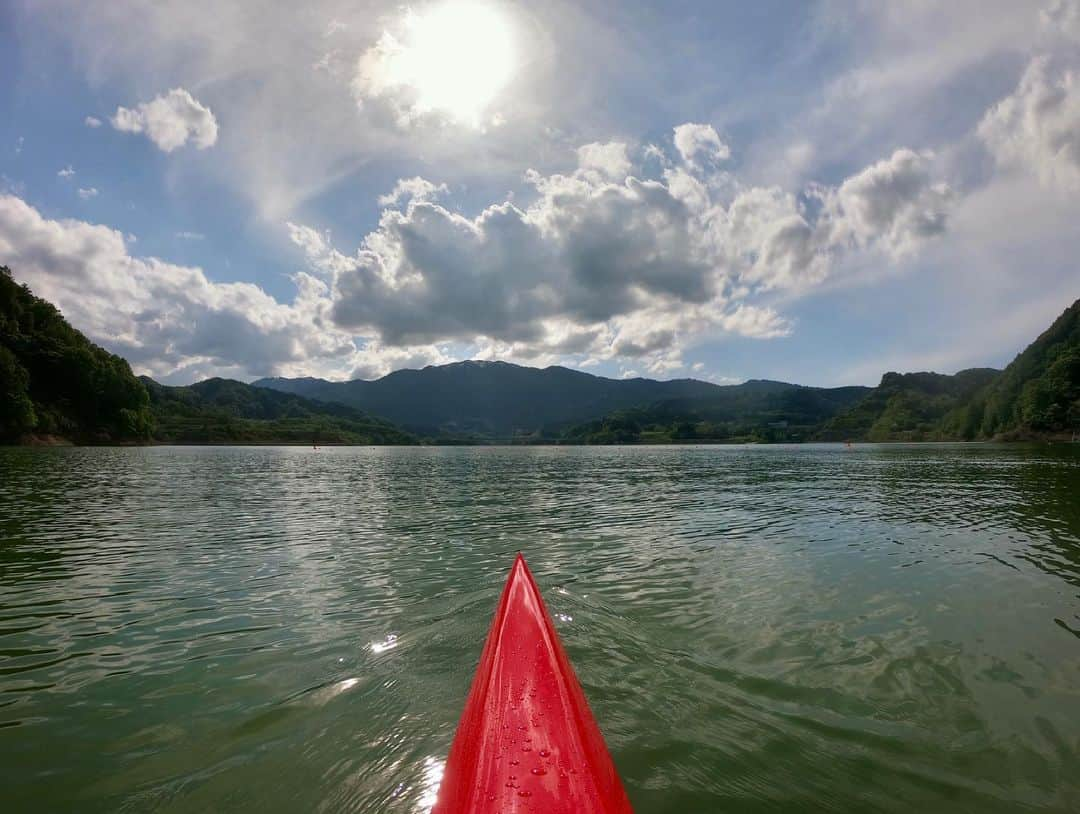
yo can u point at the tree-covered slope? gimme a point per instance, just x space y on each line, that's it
1038 394
491 399
55 382
753 411
225 411
908 407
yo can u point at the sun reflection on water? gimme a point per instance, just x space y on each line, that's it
389 643
432 775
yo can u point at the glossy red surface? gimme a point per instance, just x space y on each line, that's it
527 740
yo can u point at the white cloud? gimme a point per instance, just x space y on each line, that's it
696 141
335 26
1063 16
374 360
92 121
1038 125
610 159
170 121
168 320
893 205
66 172
412 189
86 193
627 268
757 322
184 235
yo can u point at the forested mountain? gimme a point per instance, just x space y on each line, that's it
908 407
757 410
226 411
54 382
57 385
1037 395
491 399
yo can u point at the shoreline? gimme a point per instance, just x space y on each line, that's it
50 442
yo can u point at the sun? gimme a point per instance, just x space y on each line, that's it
456 57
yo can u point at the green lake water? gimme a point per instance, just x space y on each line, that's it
805 628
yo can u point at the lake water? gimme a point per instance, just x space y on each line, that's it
886 628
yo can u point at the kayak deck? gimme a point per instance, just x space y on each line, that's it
527 740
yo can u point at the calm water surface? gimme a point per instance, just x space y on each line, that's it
889 628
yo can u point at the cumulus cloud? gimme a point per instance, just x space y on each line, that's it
412 189
165 318
66 172
605 264
610 159
86 193
1038 125
170 121
697 141
893 204
375 360
595 264
92 121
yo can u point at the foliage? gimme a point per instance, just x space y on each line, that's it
222 411
908 407
1038 391
55 381
1037 395
757 411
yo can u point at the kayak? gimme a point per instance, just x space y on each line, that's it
527 740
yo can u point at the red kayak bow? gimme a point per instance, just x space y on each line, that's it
527 740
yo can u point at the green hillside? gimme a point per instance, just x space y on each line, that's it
1038 394
56 385
908 407
54 382
222 411
753 411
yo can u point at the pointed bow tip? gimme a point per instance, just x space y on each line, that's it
519 563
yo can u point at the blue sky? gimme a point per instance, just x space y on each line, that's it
813 192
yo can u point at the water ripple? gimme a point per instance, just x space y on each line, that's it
885 628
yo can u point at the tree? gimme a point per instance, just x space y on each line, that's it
16 409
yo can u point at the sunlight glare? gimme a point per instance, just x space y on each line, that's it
457 56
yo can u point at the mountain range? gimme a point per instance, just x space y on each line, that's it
1037 395
493 399
56 385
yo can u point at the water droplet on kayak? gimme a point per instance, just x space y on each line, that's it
526 748
514 762
544 753
538 771
524 793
